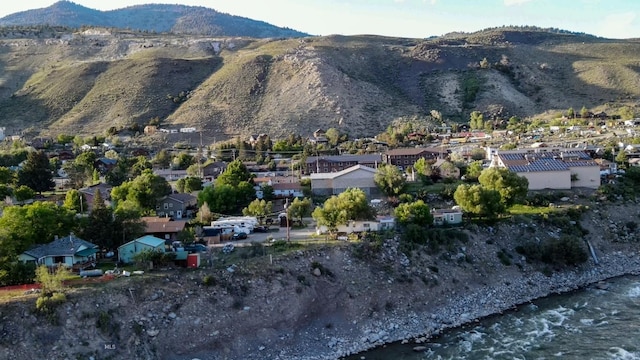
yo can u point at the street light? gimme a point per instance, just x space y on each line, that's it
286 212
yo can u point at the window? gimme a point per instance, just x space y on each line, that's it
170 205
366 225
58 259
166 206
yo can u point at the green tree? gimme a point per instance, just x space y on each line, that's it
476 120
268 192
416 212
221 198
333 136
36 223
7 176
143 191
474 170
389 180
51 283
584 113
162 159
23 193
479 201
621 158
36 172
571 113
74 201
139 166
5 192
258 208
183 161
511 187
235 172
627 113
339 209
299 208
189 184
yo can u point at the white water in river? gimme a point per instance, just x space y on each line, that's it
587 324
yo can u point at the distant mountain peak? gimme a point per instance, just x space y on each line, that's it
161 18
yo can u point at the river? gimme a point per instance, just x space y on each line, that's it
599 322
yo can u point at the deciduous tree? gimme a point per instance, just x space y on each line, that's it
416 212
512 188
479 201
389 180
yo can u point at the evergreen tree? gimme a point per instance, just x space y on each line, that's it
36 173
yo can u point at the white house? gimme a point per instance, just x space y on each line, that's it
446 216
357 176
353 226
552 168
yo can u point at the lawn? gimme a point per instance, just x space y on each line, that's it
520 209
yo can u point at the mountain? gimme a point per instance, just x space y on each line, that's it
85 82
178 19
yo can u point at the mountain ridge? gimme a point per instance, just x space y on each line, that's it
92 81
162 18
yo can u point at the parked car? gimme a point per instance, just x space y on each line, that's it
261 229
194 248
239 236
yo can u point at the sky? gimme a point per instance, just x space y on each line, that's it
617 19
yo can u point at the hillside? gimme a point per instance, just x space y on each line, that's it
55 80
177 19
317 302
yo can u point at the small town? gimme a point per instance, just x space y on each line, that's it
400 181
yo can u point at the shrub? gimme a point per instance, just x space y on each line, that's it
566 250
208 280
47 304
51 282
17 273
504 258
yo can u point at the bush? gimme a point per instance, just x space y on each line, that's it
567 250
51 282
504 258
17 273
48 304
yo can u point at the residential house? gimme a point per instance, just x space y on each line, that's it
287 190
127 251
353 226
405 157
551 169
70 251
446 216
358 176
170 174
213 170
104 165
177 206
163 227
90 192
446 169
2 133
319 164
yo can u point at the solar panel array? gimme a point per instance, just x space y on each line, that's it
541 165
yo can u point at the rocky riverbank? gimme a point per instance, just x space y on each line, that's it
321 302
